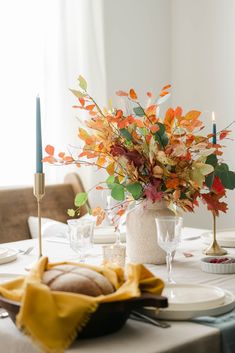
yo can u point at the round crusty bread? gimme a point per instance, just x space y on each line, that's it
69 278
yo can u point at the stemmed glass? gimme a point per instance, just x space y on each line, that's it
169 233
80 232
112 207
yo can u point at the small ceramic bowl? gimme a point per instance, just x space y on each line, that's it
226 267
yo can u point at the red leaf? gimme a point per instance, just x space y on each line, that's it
122 94
50 150
224 134
152 193
217 186
213 203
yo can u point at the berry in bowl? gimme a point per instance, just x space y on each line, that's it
219 265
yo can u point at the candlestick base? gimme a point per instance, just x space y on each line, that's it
39 192
215 249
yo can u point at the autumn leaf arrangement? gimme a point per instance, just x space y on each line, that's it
148 157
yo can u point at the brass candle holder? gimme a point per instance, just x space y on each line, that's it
39 192
215 249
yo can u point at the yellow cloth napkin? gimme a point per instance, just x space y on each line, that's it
53 319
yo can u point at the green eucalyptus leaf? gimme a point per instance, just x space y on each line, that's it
139 111
209 180
118 192
82 82
80 199
126 134
227 178
135 190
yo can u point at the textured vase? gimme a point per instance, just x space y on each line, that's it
141 233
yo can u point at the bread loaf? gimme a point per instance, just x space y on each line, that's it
69 278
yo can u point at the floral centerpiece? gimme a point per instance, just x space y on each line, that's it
147 157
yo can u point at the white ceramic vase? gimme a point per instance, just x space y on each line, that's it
141 233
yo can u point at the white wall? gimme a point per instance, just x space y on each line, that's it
203 74
137 45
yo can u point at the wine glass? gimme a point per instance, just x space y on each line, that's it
80 232
113 207
169 233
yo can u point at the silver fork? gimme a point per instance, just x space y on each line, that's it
26 251
135 315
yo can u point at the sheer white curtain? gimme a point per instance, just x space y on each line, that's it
45 45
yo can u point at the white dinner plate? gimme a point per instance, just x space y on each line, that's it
225 237
177 315
193 296
10 256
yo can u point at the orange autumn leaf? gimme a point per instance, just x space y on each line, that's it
91 113
172 183
166 87
151 110
121 212
99 187
82 101
90 140
49 159
50 150
178 112
133 95
90 107
154 128
169 119
139 123
122 94
192 115
68 159
99 213
61 154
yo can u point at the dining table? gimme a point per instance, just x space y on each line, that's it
135 336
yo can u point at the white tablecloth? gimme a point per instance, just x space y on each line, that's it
135 337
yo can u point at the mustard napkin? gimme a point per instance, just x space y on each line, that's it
52 318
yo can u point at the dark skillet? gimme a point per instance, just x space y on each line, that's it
108 318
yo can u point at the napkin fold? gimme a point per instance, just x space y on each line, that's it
226 324
52 318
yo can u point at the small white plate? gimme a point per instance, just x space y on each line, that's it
10 256
225 237
178 315
193 296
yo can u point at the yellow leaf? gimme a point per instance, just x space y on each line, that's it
83 134
111 168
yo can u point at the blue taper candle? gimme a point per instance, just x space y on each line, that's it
214 141
39 167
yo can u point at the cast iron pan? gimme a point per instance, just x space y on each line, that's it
108 318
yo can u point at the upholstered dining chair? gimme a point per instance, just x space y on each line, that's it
16 205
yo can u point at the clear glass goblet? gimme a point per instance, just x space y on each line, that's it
112 208
80 232
169 234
